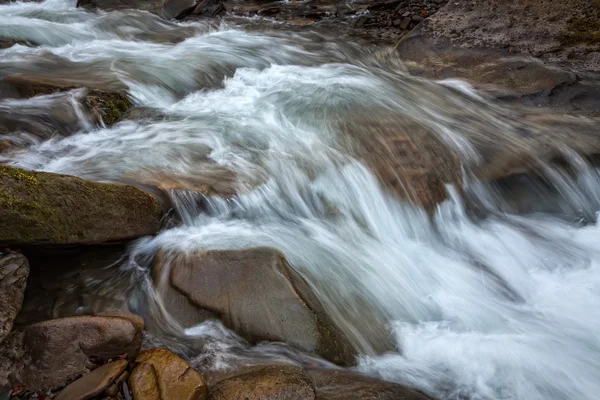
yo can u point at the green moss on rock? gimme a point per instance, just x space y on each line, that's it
39 207
109 105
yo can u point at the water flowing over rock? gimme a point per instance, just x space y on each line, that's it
408 159
39 207
101 104
160 374
299 127
31 357
14 270
258 295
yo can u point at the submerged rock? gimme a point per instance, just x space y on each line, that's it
407 158
347 385
49 353
39 207
162 375
257 294
94 383
14 270
273 382
100 103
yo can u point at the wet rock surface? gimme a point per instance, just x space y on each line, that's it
259 296
163 374
408 158
14 270
40 207
30 357
552 63
346 385
99 103
94 383
276 382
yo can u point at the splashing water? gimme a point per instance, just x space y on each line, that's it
504 307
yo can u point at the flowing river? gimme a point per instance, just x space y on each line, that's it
501 306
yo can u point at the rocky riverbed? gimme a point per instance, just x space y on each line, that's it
299 200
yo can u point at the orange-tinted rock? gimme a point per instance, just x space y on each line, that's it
143 383
175 379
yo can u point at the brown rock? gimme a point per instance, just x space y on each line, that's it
257 294
14 270
209 8
5 145
143 383
31 357
346 385
177 8
100 102
115 312
279 382
495 43
39 207
154 6
405 155
94 383
174 378
405 23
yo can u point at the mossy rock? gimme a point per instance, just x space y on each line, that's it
45 208
108 105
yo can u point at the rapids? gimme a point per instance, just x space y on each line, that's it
501 306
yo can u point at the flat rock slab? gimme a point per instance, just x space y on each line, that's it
45 208
94 383
14 270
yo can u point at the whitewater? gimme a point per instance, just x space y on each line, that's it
498 305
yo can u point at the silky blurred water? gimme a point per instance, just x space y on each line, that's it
500 307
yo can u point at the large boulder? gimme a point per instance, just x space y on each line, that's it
14 270
554 62
272 382
39 207
346 385
49 353
160 374
257 294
